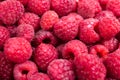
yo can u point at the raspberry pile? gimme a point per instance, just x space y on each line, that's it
59 39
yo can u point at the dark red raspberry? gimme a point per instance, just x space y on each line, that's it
89 67
108 26
26 31
103 3
111 44
87 31
99 50
6 68
17 49
66 28
61 69
73 48
24 2
63 7
11 11
113 5
30 18
38 76
44 54
112 63
22 70
60 50
12 30
48 19
88 8
44 37
4 35
39 6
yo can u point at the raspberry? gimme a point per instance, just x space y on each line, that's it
89 67
39 6
48 19
24 2
99 50
12 30
26 31
44 37
22 70
11 11
73 48
60 49
113 5
30 18
44 54
112 63
38 76
63 7
4 35
87 31
88 8
61 69
108 26
6 68
17 49
66 28
103 3
111 44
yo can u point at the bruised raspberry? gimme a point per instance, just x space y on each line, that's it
61 69
4 35
48 19
111 44
6 68
113 5
44 37
73 48
17 49
87 31
63 7
89 67
30 18
99 50
11 11
44 54
38 6
88 8
22 70
26 31
66 28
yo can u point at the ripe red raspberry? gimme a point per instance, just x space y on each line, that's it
88 8
11 11
4 35
44 37
61 69
48 19
108 26
63 7
111 44
39 6
38 76
112 63
17 49
26 31
30 18
66 28
89 67
87 31
12 30
24 2
113 5
73 48
99 50
44 54
22 70
6 68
